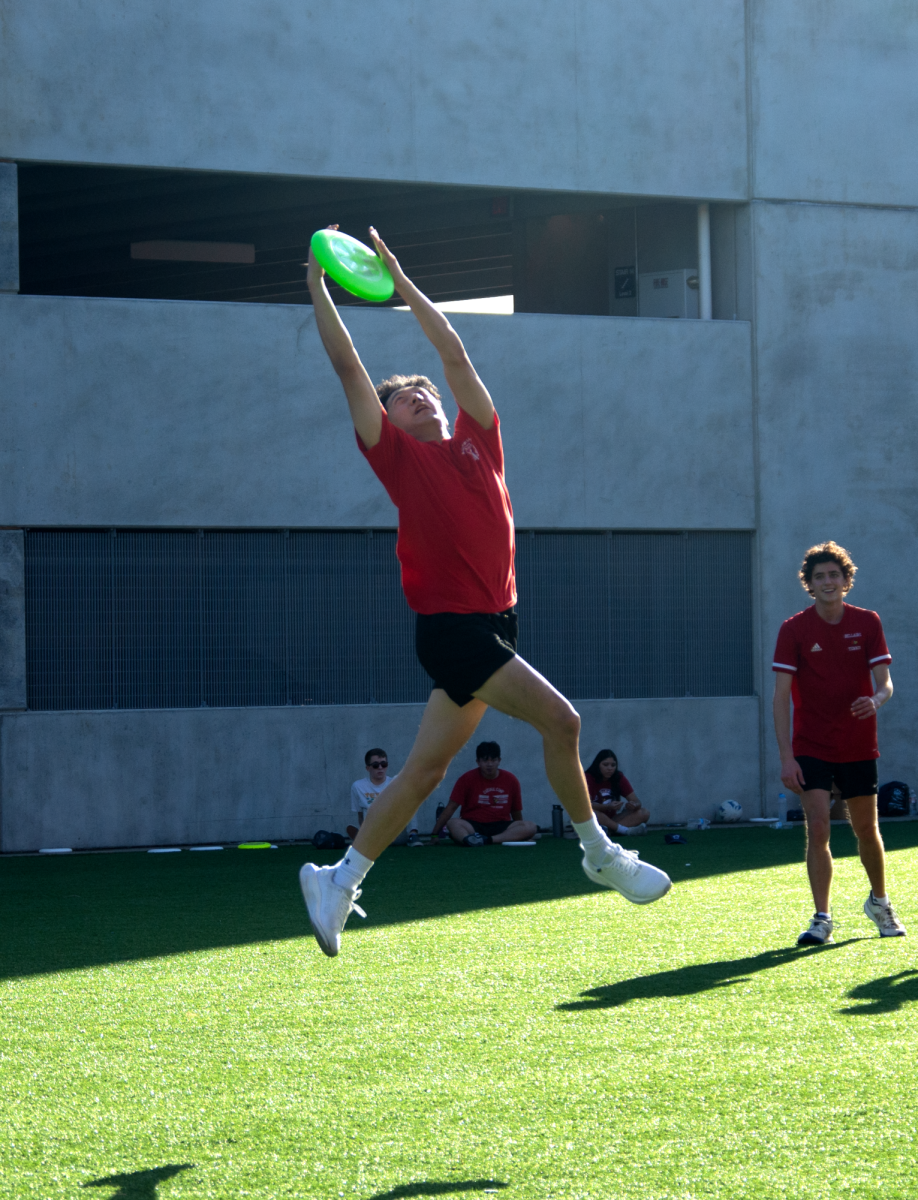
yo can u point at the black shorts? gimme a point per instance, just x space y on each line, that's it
461 651
489 828
853 778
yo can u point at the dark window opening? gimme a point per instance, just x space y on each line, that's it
239 618
219 236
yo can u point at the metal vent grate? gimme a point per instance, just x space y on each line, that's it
176 619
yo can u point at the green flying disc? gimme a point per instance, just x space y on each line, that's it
352 264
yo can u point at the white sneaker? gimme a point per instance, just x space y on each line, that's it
884 917
637 830
818 934
623 870
329 905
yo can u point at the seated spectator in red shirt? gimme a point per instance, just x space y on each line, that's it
613 798
491 804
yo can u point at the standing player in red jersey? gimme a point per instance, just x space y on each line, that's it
833 661
456 548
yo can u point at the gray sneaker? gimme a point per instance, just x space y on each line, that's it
818 934
474 839
414 839
623 871
884 917
329 905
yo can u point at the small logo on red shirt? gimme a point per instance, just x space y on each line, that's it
469 447
815 646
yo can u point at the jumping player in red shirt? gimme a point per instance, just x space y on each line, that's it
456 547
832 660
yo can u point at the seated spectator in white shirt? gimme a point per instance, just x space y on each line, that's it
490 802
364 791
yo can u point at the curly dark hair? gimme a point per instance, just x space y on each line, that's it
823 553
614 783
396 382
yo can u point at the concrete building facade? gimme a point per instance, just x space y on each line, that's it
790 415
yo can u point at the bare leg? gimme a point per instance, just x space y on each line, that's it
445 728
636 816
519 831
520 691
818 856
459 829
862 813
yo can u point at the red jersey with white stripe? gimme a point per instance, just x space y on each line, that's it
487 800
455 523
831 666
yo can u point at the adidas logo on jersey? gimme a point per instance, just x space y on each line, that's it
815 646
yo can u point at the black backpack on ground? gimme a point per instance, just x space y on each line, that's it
893 799
323 840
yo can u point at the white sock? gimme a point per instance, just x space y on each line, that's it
592 838
884 900
351 871
623 829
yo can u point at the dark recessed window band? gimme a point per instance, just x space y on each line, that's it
238 618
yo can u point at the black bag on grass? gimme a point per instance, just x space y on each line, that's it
893 799
323 840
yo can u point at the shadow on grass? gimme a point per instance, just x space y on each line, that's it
69 913
689 981
138 1185
888 994
431 1188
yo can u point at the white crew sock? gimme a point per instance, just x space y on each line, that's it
623 829
351 871
592 838
884 900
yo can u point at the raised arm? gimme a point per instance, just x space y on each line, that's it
470 393
366 411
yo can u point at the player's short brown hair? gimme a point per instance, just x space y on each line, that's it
396 382
823 553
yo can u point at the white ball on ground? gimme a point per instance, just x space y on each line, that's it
729 811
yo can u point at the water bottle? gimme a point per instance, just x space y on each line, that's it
437 815
557 821
782 810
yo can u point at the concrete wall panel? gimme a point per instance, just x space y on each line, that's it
12 620
837 310
835 103
127 412
197 776
599 95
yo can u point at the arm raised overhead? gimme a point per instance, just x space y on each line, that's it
470 393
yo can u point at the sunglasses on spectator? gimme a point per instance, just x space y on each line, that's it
382 763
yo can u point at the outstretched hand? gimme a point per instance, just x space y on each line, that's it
398 275
314 272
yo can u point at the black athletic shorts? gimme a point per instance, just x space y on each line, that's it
489 828
853 778
461 651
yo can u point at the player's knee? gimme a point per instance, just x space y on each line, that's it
567 724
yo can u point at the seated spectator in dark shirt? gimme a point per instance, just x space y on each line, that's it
490 802
613 798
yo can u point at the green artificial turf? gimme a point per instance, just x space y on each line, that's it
170 1029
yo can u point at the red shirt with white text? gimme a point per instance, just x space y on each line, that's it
487 799
831 666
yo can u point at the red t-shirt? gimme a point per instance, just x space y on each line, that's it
831 667
601 792
487 799
455 523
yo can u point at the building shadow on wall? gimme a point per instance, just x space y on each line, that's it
887 994
690 980
68 913
138 1185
